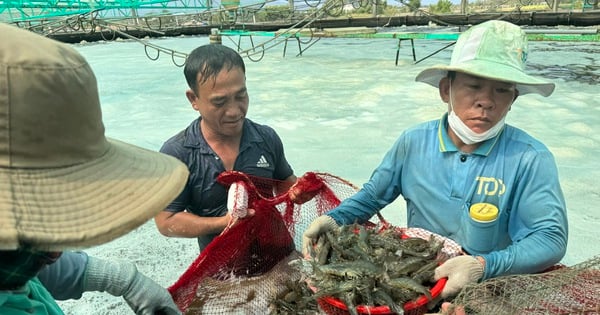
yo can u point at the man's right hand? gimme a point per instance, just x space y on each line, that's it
237 200
319 226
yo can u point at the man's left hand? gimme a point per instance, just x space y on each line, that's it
305 188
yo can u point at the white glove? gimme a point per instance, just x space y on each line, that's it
143 295
237 200
460 270
319 226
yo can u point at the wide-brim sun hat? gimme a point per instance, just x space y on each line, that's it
495 50
63 184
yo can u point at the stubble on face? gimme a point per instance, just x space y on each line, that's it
223 103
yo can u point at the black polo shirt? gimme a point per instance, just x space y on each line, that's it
261 154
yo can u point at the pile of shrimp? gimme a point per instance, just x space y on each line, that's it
373 267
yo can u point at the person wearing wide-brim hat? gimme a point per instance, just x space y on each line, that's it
469 176
65 186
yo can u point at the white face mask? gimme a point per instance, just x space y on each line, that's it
465 133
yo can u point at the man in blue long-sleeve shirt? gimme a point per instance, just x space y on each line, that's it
468 157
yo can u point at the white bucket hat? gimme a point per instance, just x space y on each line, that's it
63 184
494 50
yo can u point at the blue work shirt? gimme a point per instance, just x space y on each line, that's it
261 154
513 171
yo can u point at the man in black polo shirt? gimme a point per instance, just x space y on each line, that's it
221 139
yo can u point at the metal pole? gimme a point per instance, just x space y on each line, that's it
374 8
555 5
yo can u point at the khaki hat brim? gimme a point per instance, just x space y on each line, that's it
525 84
86 204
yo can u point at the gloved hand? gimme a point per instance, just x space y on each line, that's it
460 270
144 296
319 226
237 200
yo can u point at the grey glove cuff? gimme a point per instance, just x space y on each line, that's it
112 277
143 295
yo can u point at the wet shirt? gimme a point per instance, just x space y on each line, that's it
261 154
513 171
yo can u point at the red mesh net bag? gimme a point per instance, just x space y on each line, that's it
242 270
253 262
